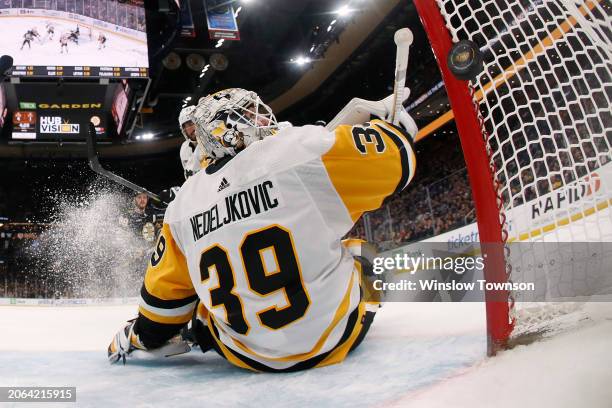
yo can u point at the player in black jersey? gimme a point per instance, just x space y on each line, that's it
28 37
101 41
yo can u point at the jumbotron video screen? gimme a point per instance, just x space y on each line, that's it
75 38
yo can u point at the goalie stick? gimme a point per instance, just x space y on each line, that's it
94 164
359 110
403 39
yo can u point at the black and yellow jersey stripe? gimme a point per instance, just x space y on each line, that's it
167 297
368 163
350 336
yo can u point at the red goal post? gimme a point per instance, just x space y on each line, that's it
535 121
499 325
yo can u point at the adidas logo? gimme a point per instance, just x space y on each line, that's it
224 184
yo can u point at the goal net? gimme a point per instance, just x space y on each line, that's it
536 131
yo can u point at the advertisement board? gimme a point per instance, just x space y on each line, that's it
545 214
45 112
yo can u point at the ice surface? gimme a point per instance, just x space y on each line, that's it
406 350
417 354
573 369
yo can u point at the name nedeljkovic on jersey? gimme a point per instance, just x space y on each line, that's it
243 204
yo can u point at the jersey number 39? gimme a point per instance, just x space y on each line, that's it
287 278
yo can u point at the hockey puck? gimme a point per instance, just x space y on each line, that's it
465 60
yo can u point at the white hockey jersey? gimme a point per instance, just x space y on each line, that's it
191 158
259 242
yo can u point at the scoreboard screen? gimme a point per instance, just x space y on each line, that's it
42 113
84 72
75 38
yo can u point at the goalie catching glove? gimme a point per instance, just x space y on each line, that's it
126 343
358 111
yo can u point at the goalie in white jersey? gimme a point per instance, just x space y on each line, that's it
257 238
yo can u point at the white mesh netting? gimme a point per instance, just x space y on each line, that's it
544 98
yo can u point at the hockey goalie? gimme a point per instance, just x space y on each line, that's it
251 249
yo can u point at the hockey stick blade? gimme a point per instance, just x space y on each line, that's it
94 164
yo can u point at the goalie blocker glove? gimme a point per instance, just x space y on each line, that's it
126 343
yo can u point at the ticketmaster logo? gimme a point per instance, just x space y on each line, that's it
54 124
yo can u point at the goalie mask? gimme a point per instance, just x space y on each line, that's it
230 120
